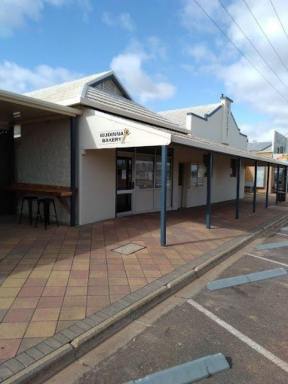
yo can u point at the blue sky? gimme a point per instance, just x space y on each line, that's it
166 52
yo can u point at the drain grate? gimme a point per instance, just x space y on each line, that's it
128 249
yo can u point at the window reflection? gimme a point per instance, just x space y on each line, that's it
144 173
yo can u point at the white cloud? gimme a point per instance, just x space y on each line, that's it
122 20
15 14
20 79
242 82
200 53
129 65
192 17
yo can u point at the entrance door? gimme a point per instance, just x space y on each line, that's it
124 185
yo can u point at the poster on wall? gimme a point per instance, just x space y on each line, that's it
260 177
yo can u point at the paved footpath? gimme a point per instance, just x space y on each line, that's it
247 323
51 279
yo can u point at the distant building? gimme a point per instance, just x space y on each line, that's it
277 149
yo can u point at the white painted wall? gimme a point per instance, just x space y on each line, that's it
223 185
97 183
219 127
97 170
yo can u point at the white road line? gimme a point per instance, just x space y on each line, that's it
245 339
265 259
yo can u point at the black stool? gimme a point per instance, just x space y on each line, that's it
30 200
45 202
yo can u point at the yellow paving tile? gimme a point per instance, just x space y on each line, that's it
73 313
75 291
25 302
6 302
41 329
21 275
9 292
12 330
11 282
42 314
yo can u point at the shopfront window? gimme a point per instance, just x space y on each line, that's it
158 174
144 168
148 169
196 174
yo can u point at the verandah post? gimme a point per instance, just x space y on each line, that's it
73 182
267 187
238 167
163 198
255 186
208 196
277 183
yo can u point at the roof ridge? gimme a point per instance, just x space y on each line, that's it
89 78
191 107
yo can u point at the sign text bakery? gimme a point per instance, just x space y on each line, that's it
116 136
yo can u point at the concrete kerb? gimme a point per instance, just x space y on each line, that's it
88 333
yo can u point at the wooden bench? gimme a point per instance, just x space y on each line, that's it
41 189
60 192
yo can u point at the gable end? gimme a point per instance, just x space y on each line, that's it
110 84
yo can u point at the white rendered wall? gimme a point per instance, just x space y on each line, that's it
223 185
97 183
212 129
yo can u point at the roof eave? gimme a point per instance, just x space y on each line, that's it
32 102
214 147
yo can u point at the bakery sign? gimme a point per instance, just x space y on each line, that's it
117 136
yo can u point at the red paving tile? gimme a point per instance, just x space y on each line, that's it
9 348
57 276
18 315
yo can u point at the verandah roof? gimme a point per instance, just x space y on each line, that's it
196 142
28 108
143 134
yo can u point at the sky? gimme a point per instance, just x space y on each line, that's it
167 53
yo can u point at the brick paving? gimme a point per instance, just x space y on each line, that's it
52 278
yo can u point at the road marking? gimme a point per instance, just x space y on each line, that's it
265 258
188 372
245 339
245 279
267 246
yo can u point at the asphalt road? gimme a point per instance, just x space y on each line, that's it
257 310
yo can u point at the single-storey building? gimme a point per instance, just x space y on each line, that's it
103 155
277 148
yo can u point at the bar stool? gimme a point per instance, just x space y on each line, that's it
30 202
45 202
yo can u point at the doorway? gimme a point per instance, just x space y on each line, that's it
124 185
